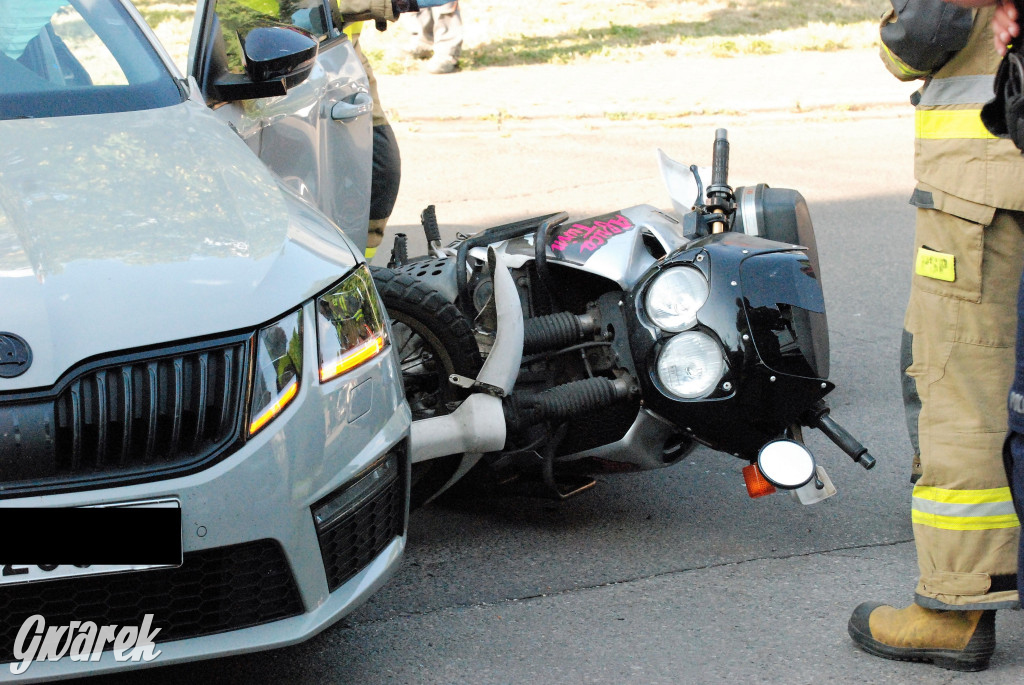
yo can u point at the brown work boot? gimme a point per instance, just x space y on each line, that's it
955 640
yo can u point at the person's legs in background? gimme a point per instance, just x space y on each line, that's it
446 38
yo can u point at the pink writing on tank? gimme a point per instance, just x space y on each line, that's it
591 234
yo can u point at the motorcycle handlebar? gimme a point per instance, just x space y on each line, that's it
720 159
846 442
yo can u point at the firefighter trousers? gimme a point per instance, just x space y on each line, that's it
958 360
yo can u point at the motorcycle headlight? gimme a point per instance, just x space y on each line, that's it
350 326
690 365
278 370
675 296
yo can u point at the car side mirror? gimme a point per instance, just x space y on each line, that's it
276 58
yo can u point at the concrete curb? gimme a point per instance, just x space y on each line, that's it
667 88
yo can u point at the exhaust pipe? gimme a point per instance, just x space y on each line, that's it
478 425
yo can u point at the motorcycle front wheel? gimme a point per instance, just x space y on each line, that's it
434 340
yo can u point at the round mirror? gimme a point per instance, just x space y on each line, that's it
786 464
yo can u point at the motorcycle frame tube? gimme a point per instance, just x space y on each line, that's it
759 403
478 425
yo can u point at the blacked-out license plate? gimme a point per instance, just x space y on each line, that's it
48 543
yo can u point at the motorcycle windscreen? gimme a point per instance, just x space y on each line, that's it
785 311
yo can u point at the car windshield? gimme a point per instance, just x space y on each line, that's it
60 58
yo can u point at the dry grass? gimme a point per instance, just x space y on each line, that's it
500 33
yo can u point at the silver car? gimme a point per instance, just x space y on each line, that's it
187 335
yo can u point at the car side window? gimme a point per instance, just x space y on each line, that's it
238 17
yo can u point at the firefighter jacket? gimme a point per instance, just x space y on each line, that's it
950 47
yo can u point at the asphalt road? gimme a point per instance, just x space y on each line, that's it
672 576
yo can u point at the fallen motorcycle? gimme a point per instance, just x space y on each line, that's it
546 351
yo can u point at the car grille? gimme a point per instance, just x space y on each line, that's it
125 419
213 591
351 542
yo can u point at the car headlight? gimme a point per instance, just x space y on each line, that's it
675 296
691 364
278 370
350 327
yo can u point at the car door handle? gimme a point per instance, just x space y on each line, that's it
351 107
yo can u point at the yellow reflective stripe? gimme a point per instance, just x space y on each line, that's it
353 29
964 522
944 124
988 496
902 66
983 509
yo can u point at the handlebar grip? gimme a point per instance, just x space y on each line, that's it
428 217
846 442
720 159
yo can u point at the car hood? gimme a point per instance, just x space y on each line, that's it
121 231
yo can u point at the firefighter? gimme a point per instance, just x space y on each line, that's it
387 163
957 353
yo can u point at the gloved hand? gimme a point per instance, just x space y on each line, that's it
416 5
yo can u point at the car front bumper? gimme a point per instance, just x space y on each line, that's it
259 499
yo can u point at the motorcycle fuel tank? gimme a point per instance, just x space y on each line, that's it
620 246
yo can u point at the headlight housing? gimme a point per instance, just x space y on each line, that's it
690 365
674 297
350 331
350 326
278 370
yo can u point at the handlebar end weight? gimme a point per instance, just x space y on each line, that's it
866 460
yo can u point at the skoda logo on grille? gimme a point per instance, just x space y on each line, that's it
15 355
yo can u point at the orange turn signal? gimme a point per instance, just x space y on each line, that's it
353 358
286 396
757 484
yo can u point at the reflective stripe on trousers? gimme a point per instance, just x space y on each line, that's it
963 509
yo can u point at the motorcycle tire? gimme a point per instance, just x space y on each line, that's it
434 340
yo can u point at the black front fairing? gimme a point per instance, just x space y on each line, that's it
786 313
767 311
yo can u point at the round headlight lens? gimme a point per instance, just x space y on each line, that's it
690 365
674 297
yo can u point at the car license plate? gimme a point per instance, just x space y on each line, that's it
14 573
